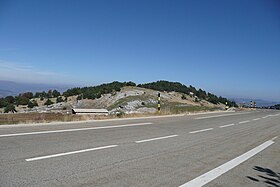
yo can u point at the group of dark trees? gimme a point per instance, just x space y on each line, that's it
28 99
94 92
47 95
276 107
178 87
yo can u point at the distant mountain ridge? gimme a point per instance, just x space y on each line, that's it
4 93
14 88
260 102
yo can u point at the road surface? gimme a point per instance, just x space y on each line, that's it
219 149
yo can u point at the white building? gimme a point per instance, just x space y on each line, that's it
80 111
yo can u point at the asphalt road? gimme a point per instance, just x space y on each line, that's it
220 149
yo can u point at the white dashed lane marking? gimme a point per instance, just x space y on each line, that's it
202 130
223 126
159 138
244 122
69 153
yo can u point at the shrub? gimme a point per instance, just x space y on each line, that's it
10 99
3 103
30 104
48 102
28 95
9 108
35 103
21 100
120 114
79 97
59 100
55 93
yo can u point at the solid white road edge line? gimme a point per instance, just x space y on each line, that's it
72 130
213 174
244 122
207 117
159 138
272 115
202 130
69 153
256 119
227 125
88 121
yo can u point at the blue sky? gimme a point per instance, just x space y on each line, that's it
230 48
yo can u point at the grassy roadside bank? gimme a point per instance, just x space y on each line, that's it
31 118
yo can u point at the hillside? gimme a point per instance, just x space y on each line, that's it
117 97
141 100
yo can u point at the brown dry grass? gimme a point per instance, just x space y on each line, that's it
29 118
36 118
